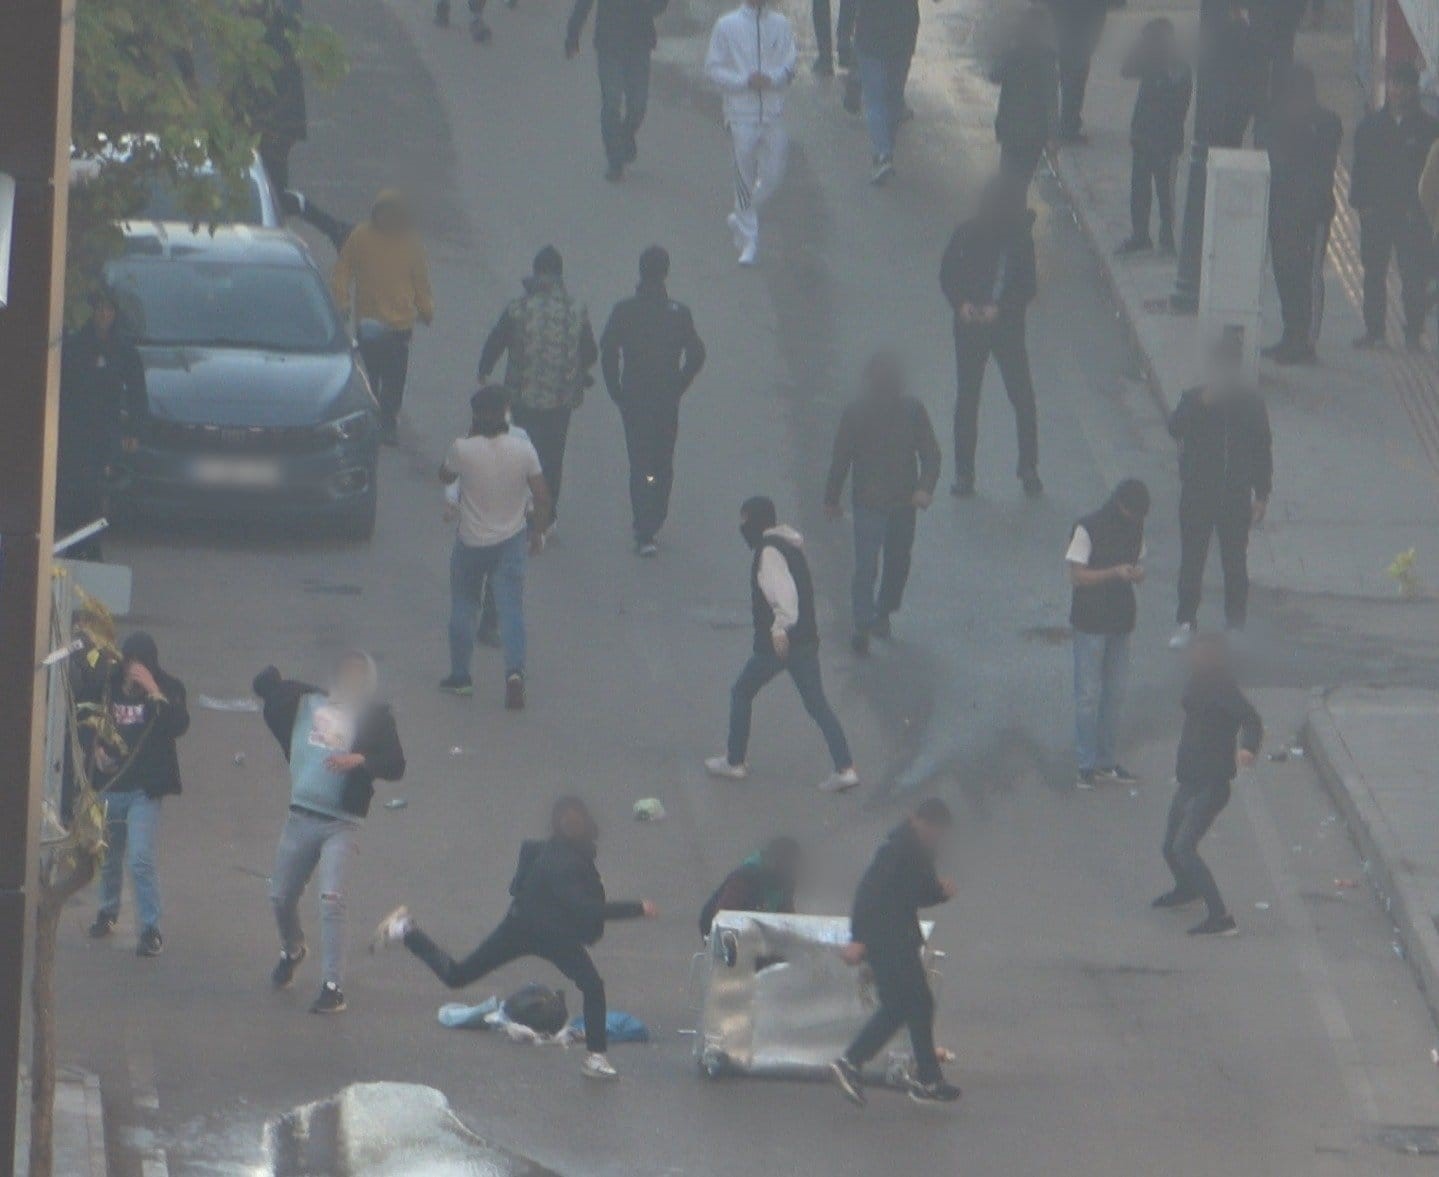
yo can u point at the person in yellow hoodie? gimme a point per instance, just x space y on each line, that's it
381 276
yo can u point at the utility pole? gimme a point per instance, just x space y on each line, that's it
36 70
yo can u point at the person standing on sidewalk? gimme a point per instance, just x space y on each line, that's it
1226 474
337 743
624 39
751 62
650 354
885 34
884 933
886 436
1216 716
1103 559
381 273
1303 143
132 756
1078 26
1390 148
988 275
1027 74
558 911
549 350
786 637
504 512
1156 131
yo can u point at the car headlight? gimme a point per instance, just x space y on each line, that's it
349 428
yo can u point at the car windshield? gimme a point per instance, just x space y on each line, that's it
163 204
226 304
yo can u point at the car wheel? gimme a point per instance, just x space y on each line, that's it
359 524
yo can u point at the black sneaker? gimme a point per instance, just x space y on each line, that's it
330 1000
1118 775
1033 488
1175 898
1216 925
881 627
940 1092
104 924
458 684
859 643
515 692
284 974
847 1078
151 943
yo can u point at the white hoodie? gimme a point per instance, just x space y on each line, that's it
775 581
744 42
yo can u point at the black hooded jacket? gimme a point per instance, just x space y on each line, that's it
376 737
1028 80
650 352
558 893
970 269
619 24
142 748
898 882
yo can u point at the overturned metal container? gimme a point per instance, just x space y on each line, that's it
775 999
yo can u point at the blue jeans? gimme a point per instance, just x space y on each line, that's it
876 532
132 821
624 95
1101 672
803 667
504 565
881 80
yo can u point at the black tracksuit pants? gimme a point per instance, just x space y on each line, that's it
904 1000
972 348
651 430
1406 238
510 941
1151 178
1202 513
1195 806
1298 249
548 430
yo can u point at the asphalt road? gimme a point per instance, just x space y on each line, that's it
1093 1037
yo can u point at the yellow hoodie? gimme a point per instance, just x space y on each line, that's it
384 275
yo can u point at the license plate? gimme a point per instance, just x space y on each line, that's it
240 473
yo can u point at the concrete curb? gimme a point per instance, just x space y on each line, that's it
1372 835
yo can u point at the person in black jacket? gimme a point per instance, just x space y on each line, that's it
650 354
558 908
1216 714
1390 147
988 276
131 757
885 34
765 881
1156 131
1226 474
1078 26
337 743
101 376
1303 143
1027 73
885 934
280 110
1234 63
624 39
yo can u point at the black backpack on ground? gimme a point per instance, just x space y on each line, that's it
539 1007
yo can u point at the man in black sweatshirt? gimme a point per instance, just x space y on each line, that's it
1216 715
885 934
1027 73
1226 474
988 275
624 39
1156 131
650 354
558 909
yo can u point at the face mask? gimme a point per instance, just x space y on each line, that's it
752 533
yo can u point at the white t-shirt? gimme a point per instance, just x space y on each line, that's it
1081 547
494 479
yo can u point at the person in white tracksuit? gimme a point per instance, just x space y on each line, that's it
751 61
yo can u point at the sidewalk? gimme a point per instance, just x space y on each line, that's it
1388 803
79 1125
1356 437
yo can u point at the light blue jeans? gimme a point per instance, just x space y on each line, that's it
1101 673
132 823
881 81
504 564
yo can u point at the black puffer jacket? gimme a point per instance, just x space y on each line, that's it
558 892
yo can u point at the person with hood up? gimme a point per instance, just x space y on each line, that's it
988 275
549 346
765 881
786 637
280 113
134 765
624 39
751 61
1027 73
558 911
338 743
101 375
1156 131
885 934
381 275
650 354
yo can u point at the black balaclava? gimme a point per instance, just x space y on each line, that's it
757 515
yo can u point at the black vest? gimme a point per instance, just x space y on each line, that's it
1107 608
803 632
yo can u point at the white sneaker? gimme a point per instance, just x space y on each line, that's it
1182 636
721 767
839 782
393 928
596 1066
749 255
552 531
736 230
